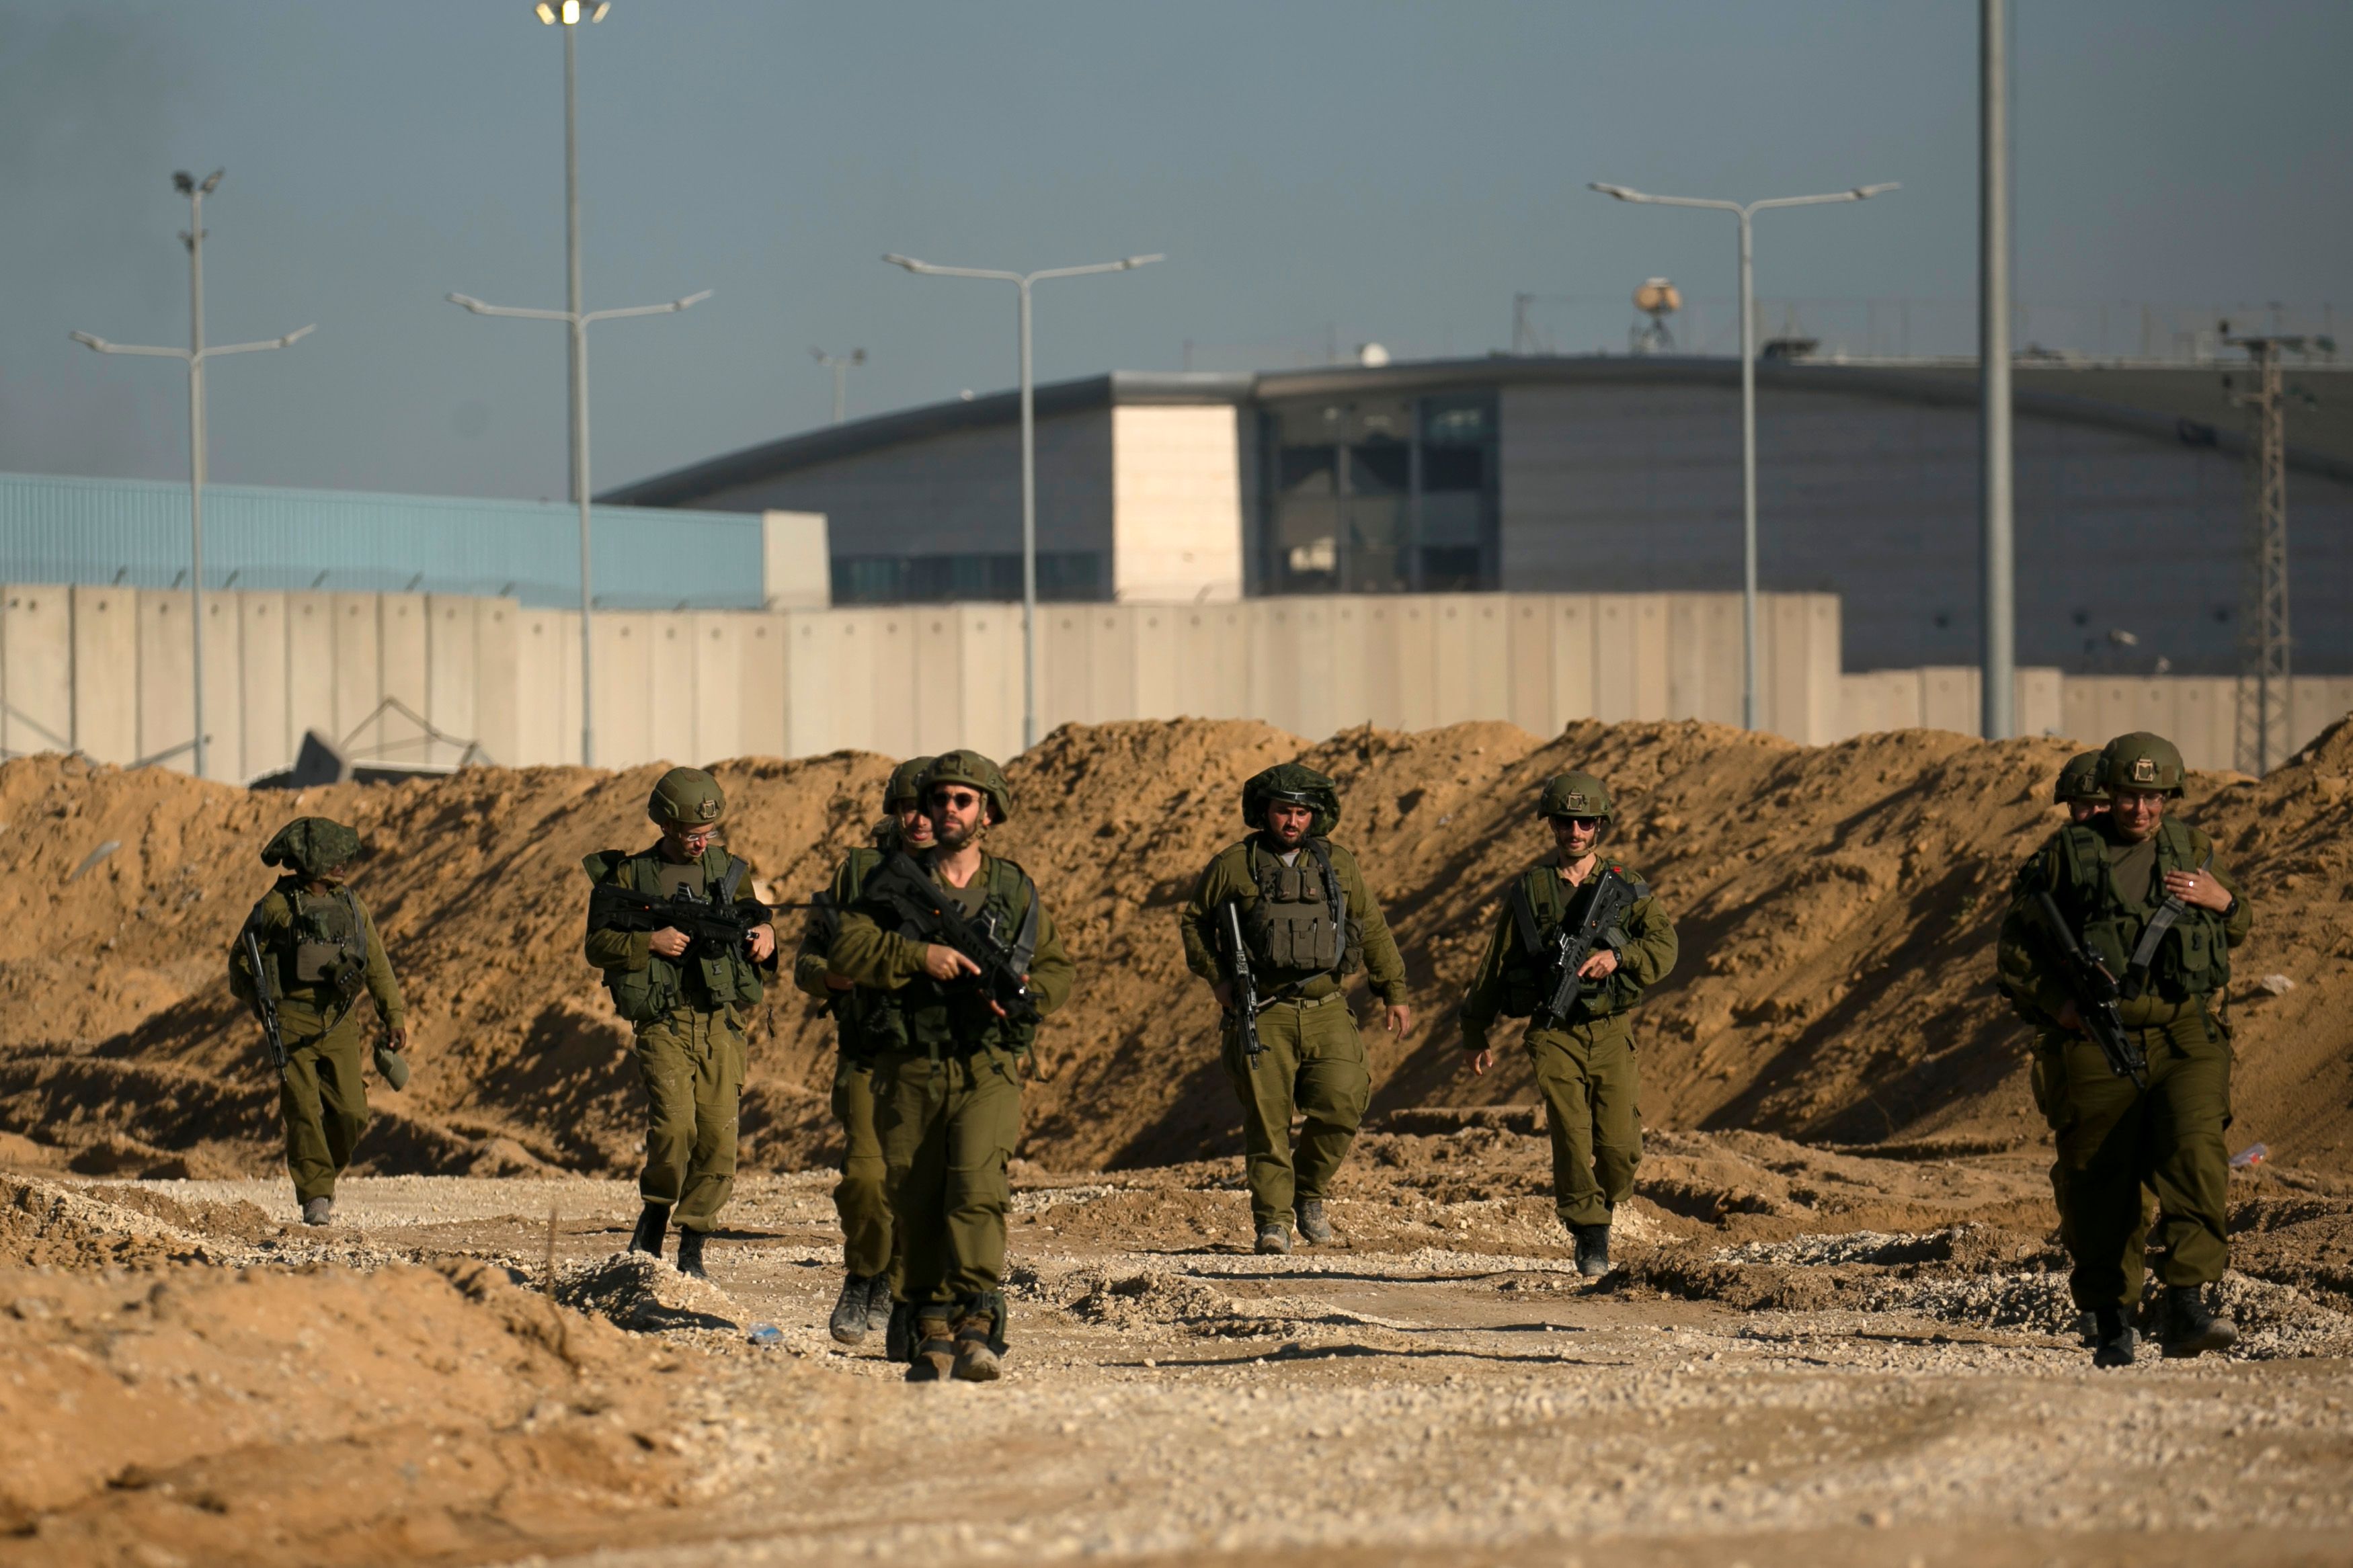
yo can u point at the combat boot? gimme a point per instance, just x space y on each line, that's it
2112 1338
652 1223
1313 1226
1275 1239
878 1305
1592 1249
935 1352
319 1211
848 1322
899 1334
689 1252
2189 1328
977 1360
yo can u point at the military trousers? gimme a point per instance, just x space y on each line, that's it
1591 1088
1313 1065
862 1199
947 1128
2047 1080
322 1100
693 1065
2113 1139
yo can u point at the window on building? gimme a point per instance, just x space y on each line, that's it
1064 575
1377 495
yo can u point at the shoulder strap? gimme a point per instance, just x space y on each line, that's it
1025 935
1321 849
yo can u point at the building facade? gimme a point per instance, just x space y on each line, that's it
1601 474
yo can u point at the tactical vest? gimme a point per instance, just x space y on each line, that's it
1538 900
953 1019
320 955
1300 926
703 983
2190 956
868 1020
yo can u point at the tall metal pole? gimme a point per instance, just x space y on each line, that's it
1750 716
1028 540
1998 679
1022 281
195 240
579 385
194 356
1749 661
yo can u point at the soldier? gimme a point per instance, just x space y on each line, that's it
1585 1068
2079 788
2144 896
320 949
689 1012
948 1097
865 1022
1309 921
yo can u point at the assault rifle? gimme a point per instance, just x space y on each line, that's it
2095 991
1003 978
264 1003
715 929
1244 1012
1593 918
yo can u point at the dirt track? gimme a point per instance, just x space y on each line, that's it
1881 1373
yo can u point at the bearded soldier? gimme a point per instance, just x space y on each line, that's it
960 938
1584 1063
866 1021
318 949
2143 897
1308 921
688 997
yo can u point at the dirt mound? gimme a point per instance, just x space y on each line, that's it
1837 905
325 1416
637 1291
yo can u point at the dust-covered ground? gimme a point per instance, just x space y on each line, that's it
1807 1357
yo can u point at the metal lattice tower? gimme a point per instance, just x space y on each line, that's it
2266 705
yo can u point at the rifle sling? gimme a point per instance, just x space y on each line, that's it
2144 953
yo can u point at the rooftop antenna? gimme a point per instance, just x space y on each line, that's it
1657 298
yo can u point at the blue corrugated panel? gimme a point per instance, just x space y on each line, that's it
135 531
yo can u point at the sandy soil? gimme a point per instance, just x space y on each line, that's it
1837 906
1807 1358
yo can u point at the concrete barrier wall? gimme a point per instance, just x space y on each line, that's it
105 669
2197 712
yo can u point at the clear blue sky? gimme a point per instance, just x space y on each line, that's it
1371 171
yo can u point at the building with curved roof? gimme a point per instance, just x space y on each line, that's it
1615 474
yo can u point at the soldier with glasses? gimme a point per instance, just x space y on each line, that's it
2142 895
1584 1062
961 940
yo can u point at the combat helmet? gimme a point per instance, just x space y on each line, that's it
1293 783
2079 781
1574 795
2143 761
969 767
313 847
687 797
906 785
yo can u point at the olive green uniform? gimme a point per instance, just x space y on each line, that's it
2112 1137
1586 1068
323 950
861 1199
1313 1063
690 1015
947 1086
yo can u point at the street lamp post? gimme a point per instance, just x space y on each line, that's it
1022 281
1747 399
569 14
194 355
840 366
579 321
